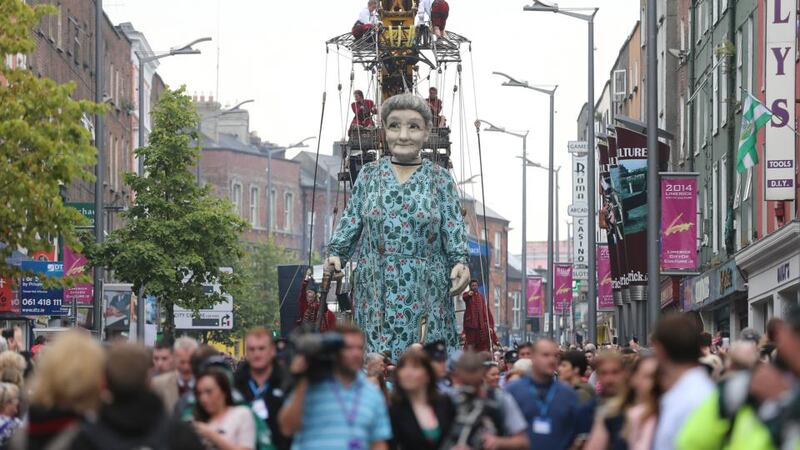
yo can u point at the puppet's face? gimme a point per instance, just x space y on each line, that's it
406 133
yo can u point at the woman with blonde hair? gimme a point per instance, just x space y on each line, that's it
9 408
12 368
65 388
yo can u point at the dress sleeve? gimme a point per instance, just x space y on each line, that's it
453 231
348 230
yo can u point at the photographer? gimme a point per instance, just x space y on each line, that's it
336 411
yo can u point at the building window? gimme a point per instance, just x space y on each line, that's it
254 206
723 198
751 55
715 11
59 30
715 96
698 125
288 200
273 198
498 249
723 87
236 197
517 298
682 127
497 294
715 209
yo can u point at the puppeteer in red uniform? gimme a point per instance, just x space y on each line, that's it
478 321
309 306
363 111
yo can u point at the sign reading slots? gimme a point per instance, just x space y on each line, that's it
780 54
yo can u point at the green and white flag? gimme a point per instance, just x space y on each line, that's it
754 117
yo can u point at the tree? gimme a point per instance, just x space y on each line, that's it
177 235
256 302
43 145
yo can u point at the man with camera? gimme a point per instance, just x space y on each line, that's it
334 409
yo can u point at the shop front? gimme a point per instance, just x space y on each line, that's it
718 298
772 266
670 294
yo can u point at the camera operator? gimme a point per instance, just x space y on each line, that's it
336 411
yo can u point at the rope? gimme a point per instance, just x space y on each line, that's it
485 226
316 170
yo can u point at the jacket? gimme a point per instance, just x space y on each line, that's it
407 431
274 397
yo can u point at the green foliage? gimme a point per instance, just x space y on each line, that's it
256 301
177 235
43 145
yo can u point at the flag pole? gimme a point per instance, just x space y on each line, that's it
769 110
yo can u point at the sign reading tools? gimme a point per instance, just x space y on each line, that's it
779 167
579 210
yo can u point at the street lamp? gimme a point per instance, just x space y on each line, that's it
470 180
540 6
513 82
524 137
301 144
144 59
224 112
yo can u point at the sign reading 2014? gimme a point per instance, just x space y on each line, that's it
35 298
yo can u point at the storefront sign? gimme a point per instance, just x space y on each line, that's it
75 266
580 252
678 223
605 291
728 280
535 296
87 210
563 288
787 271
35 298
779 167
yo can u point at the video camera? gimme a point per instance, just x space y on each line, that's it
320 350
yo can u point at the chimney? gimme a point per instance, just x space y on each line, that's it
202 98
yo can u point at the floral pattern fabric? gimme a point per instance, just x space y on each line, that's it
406 238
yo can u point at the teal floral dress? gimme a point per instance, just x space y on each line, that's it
406 239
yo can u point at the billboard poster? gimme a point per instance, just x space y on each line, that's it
605 292
629 182
75 266
535 296
117 310
781 35
562 295
612 210
35 298
678 223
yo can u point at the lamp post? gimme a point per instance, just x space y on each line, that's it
144 59
540 6
653 185
524 137
219 114
301 144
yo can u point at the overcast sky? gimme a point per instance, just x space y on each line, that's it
274 52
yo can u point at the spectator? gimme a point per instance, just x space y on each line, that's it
38 344
550 407
492 377
485 418
9 409
132 416
218 420
262 383
608 421
421 416
437 352
12 368
343 412
374 364
163 359
173 385
676 342
13 337
65 388
525 351
571 369
640 404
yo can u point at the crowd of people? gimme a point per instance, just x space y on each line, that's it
685 391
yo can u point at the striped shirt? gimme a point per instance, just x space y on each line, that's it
339 418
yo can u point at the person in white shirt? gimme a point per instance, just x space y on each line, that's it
433 13
367 19
686 385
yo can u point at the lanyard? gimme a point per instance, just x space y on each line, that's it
544 407
350 416
258 391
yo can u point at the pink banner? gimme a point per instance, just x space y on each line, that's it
75 265
678 223
563 288
605 291
535 296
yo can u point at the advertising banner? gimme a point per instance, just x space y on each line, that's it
781 35
579 212
605 292
75 266
535 296
612 211
629 182
35 298
678 223
562 294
